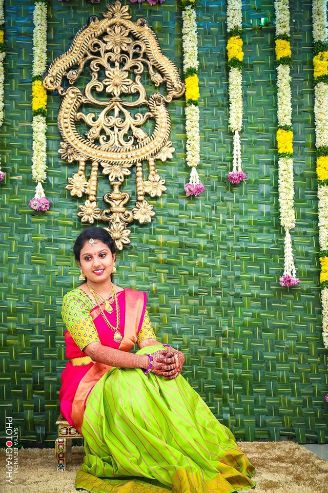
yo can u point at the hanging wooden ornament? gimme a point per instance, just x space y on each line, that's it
111 125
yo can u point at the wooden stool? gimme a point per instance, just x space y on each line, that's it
63 445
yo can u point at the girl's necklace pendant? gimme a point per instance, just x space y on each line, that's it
108 307
117 337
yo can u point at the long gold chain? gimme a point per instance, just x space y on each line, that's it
99 300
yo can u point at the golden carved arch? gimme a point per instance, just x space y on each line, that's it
125 128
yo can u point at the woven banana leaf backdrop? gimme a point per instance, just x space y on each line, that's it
211 265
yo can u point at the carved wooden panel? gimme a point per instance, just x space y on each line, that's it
113 124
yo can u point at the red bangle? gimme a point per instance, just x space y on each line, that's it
150 364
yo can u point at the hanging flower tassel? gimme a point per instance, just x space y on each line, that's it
39 106
237 175
194 187
2 57
289 279
235 56
39 202
285 136
320 73
190 68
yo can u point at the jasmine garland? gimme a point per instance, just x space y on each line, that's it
39 107
235 57
285 138
190 67
2 78
320 72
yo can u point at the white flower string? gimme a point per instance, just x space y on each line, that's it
2 76
320 66
190 68
285 138
39 106
235 57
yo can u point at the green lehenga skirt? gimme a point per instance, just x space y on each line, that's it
145 434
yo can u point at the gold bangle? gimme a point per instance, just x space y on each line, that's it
84 360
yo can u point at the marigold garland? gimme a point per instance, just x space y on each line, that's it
2 57
285 142
39 107
284 138
235 48
192 88
190 68
235 57
324 269
322 168
320 64
320 73
283 50
39 98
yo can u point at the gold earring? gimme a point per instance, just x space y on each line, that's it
81 276
114 269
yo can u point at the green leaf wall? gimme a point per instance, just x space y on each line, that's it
211 265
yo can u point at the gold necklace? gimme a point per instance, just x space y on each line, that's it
104 301
97 297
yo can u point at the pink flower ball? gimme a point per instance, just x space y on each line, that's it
236 177
193 190
44 204
34 204
2 176
189 189
39 204
199 188
287 281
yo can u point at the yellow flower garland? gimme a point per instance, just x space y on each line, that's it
322 167
2 36
320 64
324 269
282 49
323 276
235 48
285 141
192 88
39 96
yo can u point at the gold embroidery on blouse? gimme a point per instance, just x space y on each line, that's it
146 331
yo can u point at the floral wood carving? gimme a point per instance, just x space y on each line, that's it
125 127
